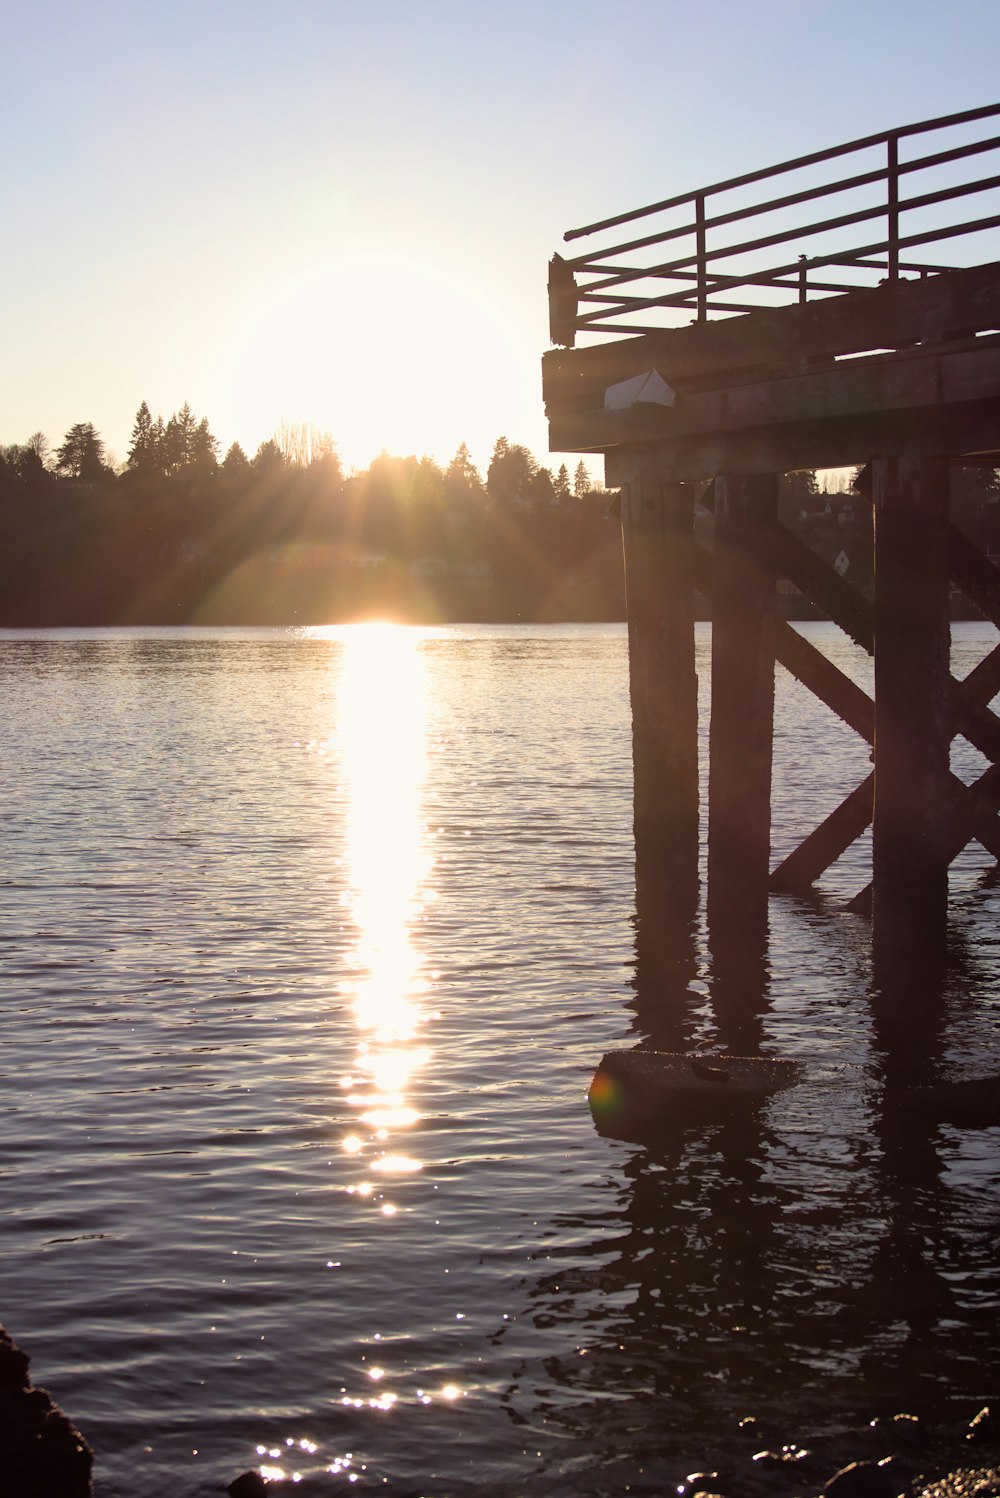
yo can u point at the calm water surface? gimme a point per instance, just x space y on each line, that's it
310 944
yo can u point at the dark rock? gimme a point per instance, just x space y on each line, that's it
903 1431
42 1454
248 1485
866 1480
981 1426
13 1365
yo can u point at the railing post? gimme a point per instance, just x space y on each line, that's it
892 181
699 220
803 283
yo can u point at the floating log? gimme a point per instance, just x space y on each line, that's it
632 1091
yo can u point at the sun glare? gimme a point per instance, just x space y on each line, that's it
358 343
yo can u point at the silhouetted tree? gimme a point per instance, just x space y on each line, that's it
204 451
510 472
143 455
178 446
82 454
236 464
561 483
268 459
581 480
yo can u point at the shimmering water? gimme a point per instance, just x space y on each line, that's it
310 945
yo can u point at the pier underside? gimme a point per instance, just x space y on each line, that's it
902 380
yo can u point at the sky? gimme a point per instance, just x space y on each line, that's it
342 213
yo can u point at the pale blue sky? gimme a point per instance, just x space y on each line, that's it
342 212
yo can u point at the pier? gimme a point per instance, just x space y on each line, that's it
839 309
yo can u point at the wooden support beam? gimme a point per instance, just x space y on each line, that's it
923 378
807 664
913 711
792 558
657 524
826 681
741 732
830 442
883 317
825 844
975 574
983 682
973 815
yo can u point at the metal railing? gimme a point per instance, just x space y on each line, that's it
709 273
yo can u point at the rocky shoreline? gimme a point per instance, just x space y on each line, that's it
42 1454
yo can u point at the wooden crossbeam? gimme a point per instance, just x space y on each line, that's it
824 845
974 817
792 558
974 809
807 664
975 574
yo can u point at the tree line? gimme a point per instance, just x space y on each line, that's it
177 533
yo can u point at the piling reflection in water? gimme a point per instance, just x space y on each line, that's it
812 1260
381 738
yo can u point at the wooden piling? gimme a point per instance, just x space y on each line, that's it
913 712
657 526
743 656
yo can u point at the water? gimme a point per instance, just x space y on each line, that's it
311 942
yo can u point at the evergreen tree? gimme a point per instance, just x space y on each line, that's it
143 457
268 459
510 472
179 445
561 483
236 464
462 471
204 455
581 480
82 454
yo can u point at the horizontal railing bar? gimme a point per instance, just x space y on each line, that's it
720 285
790 200
812 159
844 184
626 330
884 265
804 231
929 236
692 275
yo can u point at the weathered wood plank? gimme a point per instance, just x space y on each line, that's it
923 379
884 317
834 443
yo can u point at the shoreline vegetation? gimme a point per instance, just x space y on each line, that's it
175 535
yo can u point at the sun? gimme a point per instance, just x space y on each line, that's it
380 347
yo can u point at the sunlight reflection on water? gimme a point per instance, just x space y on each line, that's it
381 745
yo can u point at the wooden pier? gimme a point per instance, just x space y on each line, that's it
813 336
